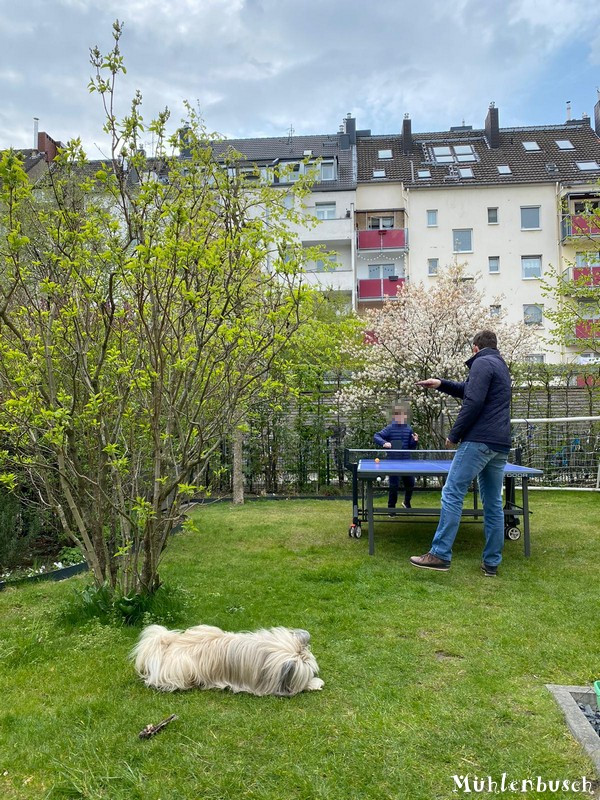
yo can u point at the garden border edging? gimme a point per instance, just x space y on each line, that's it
578 724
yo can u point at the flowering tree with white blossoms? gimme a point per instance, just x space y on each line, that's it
427 332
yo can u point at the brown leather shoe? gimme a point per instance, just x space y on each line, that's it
429 561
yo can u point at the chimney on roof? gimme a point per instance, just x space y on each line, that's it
492 126
47 145
350 128
35 132
568 110
597 114
407 142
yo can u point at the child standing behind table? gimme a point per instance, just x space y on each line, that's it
399 435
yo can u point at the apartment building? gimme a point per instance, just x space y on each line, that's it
283 160
509 203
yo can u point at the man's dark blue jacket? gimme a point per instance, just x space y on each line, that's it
485 413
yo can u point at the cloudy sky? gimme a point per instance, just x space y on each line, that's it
259 67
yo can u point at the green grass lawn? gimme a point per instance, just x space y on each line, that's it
427 675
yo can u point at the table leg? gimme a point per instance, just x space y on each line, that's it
355 519
370 517
526 540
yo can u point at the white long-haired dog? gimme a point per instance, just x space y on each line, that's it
277 661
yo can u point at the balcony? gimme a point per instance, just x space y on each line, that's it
384 239
589 329
579 225
591 273
379 288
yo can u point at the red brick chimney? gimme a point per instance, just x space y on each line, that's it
47 145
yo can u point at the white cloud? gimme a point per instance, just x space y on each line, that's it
257 66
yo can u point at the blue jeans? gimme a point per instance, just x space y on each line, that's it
473 459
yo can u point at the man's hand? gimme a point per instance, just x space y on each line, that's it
387 445
415 436
449 444
429 383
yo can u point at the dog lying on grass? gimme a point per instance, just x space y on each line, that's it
277 661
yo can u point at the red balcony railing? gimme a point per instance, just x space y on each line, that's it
378 288
386 239
590 329
580 225
592 272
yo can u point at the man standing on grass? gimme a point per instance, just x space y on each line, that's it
482 433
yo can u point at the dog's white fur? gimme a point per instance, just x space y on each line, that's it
277 661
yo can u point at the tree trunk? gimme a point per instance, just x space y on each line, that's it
238 471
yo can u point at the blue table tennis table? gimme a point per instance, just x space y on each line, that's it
368 473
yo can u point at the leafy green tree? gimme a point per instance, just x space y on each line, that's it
142 301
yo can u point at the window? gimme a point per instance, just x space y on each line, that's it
531 146
586 206
266 174
290 173
380 223
325 210
462 240
564 144
432 266
379 173
532 314
326 264
384 154
460 153
432 218
495 311
464 152
327 171
288 201
531 266
535 358
493 263
587 259
424 173
378 271
530 218
492 216
586 165
588 358
588 309
504 169
443 155
465 172
250 173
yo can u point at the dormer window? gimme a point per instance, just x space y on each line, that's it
290 172
384 154
504 169
465 172
564 144
587 165
531 146
424 173
379 173
327 171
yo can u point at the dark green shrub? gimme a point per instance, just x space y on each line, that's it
167 605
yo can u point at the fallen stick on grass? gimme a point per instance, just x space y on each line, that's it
152 730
